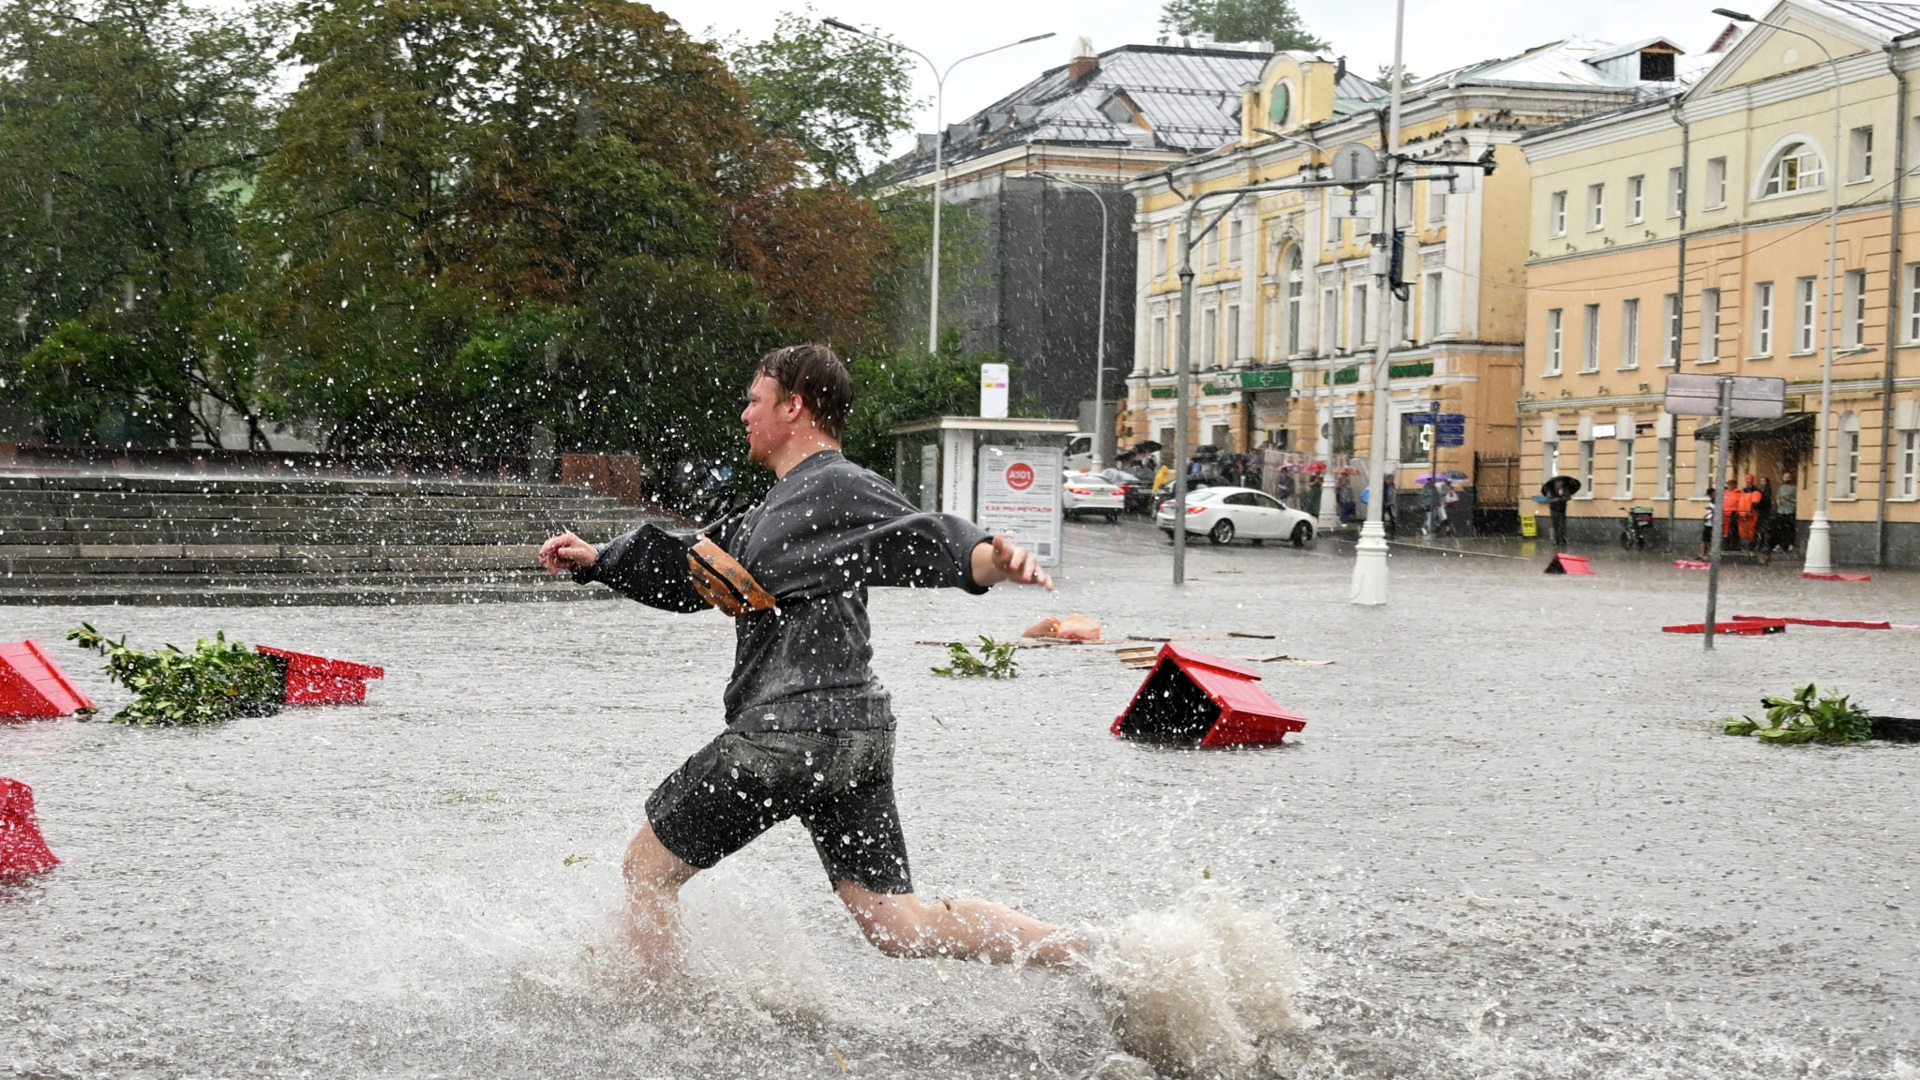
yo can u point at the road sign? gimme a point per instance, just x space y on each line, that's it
1451 438
1356 165
1353 204
1421 419
1452 420
1699 395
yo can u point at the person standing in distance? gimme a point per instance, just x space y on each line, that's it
809 729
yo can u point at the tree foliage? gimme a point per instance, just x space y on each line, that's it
1274 21
129 131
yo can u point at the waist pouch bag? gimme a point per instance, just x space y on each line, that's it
726 584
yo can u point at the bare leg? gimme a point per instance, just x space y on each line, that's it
907 926
654 876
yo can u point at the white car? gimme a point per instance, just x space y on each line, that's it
1085 493
1226 513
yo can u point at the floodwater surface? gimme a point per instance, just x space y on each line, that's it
1510 843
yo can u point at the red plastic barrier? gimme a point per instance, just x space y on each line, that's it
1564 563
31 684
22 849
1849 624
1745 627
1692 564
1195 699
1838 577
316 680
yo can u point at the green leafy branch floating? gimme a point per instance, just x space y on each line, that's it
994 662
1800 718
218 680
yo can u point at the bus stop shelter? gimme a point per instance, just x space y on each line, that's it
935 462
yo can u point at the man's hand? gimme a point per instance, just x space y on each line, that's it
566 553
1004 560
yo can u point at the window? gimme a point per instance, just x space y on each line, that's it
1909 484
1557 214
1209 338
1670 350
1853 308
1236 240
1590 339
1233 334
1296 291
1716 194
1623 469
1436 202
1334 224
1361 331
1329 321
1596 207
1702 467
1550 458
1664 448
1849 456
1213 246
1709 325
1436 303
1656 65
1859 155
1270 321
1763 319
1406 321
1913 301
1585 475
1554 328
1415 442
1157 359
1629 334
1798 168
1676 192
1803 291
1636 199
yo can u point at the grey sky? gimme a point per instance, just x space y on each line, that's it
1440 33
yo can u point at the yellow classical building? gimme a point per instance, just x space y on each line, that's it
1691 235
1285 307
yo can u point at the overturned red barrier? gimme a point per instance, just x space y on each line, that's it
31 684
1693 564
1847 624
22 850
1838 577
1564 563
1744 628
316 680
1193 699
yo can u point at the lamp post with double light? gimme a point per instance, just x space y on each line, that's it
939 146
1819 531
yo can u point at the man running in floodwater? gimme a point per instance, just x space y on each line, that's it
809 729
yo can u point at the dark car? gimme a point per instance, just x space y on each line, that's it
1136 490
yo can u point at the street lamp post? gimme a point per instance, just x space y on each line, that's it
1370 554
1819 531
1100 334
939 147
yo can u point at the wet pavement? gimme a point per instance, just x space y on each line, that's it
1510 843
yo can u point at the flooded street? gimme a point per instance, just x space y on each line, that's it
1510 843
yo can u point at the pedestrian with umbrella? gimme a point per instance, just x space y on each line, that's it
1557 491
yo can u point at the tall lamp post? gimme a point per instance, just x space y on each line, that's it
1100 334
939 146
1820 532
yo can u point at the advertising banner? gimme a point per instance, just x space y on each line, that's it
1020 497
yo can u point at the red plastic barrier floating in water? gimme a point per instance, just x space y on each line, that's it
22 850
1849 624
1692 564
1564 563
31 684
1745 627
1199 700
1838 577
316 680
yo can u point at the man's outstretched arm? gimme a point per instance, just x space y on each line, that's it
1001 560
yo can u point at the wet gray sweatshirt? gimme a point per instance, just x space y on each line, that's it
825 533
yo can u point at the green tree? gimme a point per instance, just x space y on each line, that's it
841 97
129 133
1274 21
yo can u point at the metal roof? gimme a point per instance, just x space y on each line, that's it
1891 19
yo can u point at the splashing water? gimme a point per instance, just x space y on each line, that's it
1201 989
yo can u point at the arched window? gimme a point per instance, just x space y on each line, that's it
1798 167
1294 277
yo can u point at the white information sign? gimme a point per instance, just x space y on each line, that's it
993 391
1754 396
1020 497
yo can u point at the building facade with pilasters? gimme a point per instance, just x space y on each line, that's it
1285 308
1691 236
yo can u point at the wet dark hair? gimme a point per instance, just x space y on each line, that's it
819 377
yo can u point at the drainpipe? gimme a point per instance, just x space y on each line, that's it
1680 302
1893 296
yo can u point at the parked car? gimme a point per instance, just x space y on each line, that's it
1223 514
1085 493
1136 491
1079 457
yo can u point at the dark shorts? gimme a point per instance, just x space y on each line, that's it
838 783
